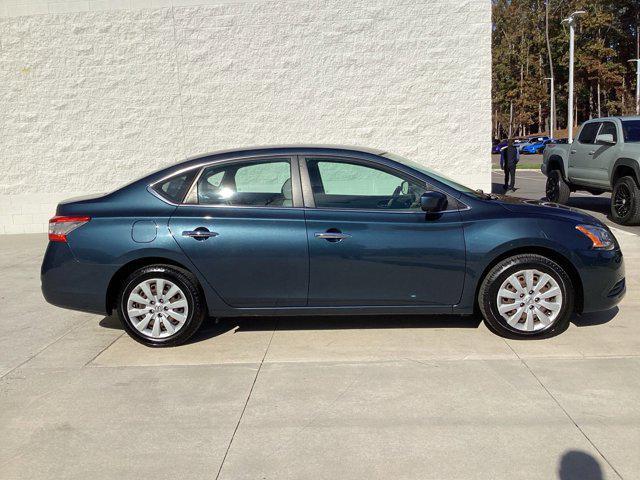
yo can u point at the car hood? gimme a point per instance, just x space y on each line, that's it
543 207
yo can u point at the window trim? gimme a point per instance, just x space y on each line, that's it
295 181
309 200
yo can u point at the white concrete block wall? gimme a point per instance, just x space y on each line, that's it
107 91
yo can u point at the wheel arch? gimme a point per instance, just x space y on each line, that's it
128 268
625 167
556 162
550 253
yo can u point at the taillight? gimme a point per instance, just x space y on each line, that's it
60 227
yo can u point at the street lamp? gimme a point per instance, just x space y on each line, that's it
552 108
571 20
637 60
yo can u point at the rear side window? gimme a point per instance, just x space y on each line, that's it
251 184
589 132
631 131
175 188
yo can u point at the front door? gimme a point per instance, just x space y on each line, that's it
243 228
581 154
604 155
370 244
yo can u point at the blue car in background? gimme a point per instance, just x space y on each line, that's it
530 141
497 148
536 147
323 230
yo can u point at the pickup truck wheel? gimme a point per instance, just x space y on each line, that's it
557 190
625 202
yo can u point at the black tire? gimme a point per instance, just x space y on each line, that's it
625 202
490 286
188 285
557 189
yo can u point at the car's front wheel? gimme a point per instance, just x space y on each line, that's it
557 189
526 295
161 305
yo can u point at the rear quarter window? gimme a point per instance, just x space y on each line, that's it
175 188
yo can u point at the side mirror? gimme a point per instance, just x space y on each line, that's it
433 202
605 139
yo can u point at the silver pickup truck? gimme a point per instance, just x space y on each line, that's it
604 157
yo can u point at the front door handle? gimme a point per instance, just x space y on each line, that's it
332 235
200 233
592 152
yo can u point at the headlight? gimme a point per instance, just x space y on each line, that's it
600 238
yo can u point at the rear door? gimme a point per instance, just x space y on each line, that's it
370 244
243 227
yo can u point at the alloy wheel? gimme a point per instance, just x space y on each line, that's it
552 189
622 200
529 300
157 308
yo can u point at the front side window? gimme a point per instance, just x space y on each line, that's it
610 129
343 184
588 133
256 184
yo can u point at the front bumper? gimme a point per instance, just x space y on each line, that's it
543 169
603 279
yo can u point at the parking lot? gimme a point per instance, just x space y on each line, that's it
329 398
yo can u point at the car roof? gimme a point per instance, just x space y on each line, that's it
291 147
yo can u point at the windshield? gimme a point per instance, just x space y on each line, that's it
433 174
631 131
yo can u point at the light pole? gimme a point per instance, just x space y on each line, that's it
637 60
571 20
552 108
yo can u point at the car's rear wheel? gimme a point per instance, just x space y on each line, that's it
557 189
625 202
161 305
526 295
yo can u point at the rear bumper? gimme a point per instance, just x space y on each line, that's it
68 283
543 169
603 279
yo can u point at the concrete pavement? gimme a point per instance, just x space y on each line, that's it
326 398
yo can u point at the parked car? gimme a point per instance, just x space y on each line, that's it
604 157
497 148
323 230
536 147
531 141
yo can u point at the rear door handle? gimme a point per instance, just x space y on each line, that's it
199 233
332 236
592 152
573 151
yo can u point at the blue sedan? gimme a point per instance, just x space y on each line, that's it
299 230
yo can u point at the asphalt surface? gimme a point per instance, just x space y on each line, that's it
313 398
